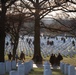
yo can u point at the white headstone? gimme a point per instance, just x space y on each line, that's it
46 67
21 69
46 63
71 70
2 68
47 72
19 62
30 65
62 67
75 72
8 66
66 69
27 68
13 64
13 73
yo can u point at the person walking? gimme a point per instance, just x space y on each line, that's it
22 56
59 58
10 56
52 59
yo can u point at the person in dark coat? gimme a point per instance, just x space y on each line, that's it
59 58
73 43
22 56
48 42
9 56
27 39
64 40
52 59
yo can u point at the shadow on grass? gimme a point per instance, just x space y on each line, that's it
36 71
57 72
6 74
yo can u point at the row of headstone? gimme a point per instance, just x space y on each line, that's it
47 69
59 46
62 48
67 69
7 66
23 69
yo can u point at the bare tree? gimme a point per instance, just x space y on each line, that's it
40 8
4 4
16 24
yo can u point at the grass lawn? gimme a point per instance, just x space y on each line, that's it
39 71
36 71
56 72
71 61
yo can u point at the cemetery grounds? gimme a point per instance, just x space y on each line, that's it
39 70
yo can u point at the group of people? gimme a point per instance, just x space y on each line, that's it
22 56
50 42
63 39
55 60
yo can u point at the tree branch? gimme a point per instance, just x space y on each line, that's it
27 6
11 2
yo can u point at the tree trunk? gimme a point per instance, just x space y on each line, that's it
37 52
15 46
2 32
2 44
